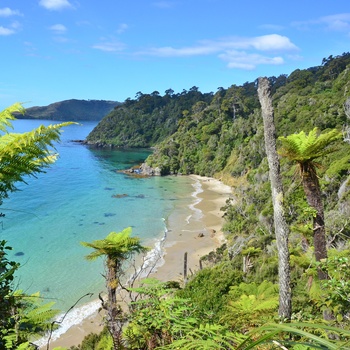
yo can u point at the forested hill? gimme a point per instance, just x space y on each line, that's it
148 119
227 133
71 110
204 128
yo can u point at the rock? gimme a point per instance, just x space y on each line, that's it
120 195
148 170
201 234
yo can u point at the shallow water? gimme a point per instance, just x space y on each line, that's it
82 197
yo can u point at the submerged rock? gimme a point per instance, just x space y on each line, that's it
119 195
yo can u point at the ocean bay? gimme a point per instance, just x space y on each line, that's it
77 199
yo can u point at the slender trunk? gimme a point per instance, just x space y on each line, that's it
313 196
114 313
281 227
185 268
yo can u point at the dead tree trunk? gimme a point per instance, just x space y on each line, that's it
185 268
281 227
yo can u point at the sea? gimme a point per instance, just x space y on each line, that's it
82 197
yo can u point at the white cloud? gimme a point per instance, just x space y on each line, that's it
111 46
243 60
272 42
55 4
239 52
7 12
58 28
122 28
338 22
6 31
169 51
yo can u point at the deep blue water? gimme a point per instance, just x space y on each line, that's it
74 201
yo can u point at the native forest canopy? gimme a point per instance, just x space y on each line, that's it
234 301
72 110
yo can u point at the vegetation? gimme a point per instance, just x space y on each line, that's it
27 154
148 119
226 305
71 110
304 149
233 303
117 247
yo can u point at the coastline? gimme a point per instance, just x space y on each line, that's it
195 230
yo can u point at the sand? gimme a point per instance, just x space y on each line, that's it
195 231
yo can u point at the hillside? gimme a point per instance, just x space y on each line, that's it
147 120
71 110
222 135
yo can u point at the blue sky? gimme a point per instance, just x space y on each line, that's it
54 50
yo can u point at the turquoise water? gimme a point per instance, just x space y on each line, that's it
75 201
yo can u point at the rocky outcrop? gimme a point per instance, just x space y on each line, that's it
144 170
148 170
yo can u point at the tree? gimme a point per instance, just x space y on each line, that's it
303 149
117 247
21 155
281 227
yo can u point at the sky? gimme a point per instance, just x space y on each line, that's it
55 50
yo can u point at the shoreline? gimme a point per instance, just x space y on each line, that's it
195 230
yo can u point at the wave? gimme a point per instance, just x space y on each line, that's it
75 317
198 214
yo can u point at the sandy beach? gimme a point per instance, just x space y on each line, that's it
195 230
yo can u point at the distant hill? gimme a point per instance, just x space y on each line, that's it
71 110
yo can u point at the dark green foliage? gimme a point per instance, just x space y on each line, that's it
209 289
158 317
147 120
95 341
336 290
251 305
211 133
72 110
7 299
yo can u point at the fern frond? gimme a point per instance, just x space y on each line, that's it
24 154
304 147
7 115
117 246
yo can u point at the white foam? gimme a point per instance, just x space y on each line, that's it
75 317
153 259
198 214
78 314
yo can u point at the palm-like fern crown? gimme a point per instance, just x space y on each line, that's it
304 147
116 246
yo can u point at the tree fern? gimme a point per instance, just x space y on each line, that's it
250 304
30 317
303 147
24 154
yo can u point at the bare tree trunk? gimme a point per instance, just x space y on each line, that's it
281 227
185 268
